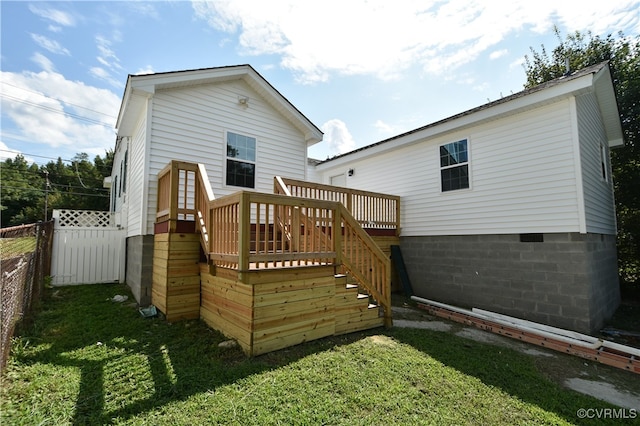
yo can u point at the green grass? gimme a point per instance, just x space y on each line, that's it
10 247
87 360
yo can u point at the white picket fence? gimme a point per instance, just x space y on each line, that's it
87 248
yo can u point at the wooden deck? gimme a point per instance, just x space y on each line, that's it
269 270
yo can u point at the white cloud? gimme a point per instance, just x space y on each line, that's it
6 152
103 74
109 61
48 109
44 62
57 16
107 56
337 137
146 70
498 53
383 38
386 129
51 45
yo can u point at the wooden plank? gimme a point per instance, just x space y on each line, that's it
188 281
229 329
266 313
239 320
293 296
286 341
183 290
289 329
273 322
180 316
225 283
214 303
293 285
352 327
287 274
180 301
356 315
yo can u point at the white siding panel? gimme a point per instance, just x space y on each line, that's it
522 178
134 206
189 124
598 192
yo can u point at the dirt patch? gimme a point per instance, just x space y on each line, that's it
382 340
605 391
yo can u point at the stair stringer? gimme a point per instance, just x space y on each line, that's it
353 309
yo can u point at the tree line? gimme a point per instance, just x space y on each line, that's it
30 192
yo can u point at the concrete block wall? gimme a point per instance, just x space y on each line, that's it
568 280
139 271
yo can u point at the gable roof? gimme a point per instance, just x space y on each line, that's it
140 88
596 78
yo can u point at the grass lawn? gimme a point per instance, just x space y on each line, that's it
88 360
10 247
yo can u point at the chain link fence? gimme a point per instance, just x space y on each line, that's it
25 261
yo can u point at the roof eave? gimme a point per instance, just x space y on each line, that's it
563 87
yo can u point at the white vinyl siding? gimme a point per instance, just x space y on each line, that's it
598 192
135 193
523 178
190 124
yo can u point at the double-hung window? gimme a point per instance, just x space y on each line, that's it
454 165
241 160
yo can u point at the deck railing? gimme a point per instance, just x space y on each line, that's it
176 186
250 230
253 230
358 253
370 209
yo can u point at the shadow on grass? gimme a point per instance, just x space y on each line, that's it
129 365
503 368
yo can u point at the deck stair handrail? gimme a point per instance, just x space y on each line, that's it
359 254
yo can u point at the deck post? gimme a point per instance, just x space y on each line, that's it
173 200
336 234
244 232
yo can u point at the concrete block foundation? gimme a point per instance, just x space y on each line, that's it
567 280
139 271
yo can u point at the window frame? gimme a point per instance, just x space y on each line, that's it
604 163
466 163
226 159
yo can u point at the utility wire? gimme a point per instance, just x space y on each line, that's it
64 193
39 156
57 111
58 185
59 100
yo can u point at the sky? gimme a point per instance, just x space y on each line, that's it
360 70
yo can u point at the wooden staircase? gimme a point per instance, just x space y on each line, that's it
354 309
277 270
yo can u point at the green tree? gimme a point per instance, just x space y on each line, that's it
623 54
22 188
72 185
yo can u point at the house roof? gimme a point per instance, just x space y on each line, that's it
596 78
140 88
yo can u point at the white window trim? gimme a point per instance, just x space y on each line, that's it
468 163
225 158
604 163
